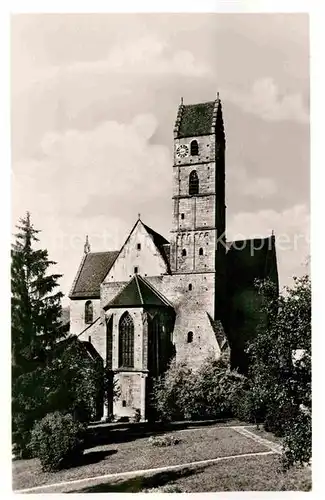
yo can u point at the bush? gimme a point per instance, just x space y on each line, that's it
297 440
162 441
57 440
172 395
210 392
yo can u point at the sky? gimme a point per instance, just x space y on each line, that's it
94 102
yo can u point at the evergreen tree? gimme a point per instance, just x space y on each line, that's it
36 311
36 303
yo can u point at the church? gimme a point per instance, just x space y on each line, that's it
192 296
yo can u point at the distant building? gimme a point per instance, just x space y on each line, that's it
192 296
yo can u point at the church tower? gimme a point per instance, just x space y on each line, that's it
198 188
197 254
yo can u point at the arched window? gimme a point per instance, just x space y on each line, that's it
89 313
126 341
190 286
183 252
194 148
189 337
201 251
193 185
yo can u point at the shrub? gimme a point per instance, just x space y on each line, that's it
173 393
57 440
297 440
162 441
210 392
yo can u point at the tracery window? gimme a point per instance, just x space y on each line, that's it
126 341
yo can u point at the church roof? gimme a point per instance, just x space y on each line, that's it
196 119
138 292
91 273
161 243
219 333
250 259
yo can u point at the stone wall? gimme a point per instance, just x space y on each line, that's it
77 314
191 308
147 259
130 381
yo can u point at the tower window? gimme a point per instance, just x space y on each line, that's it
89 313
89 339
189 337
124 403
136 270
193 186
201 251
138 246
194 148
183 252
182 216
190 286
126 341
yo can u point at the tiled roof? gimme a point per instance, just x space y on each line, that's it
161 243
138 293
73 341
249 259
219 333
196 119
246 261
92 271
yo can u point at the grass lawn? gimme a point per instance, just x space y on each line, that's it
264 434
195 444
261 473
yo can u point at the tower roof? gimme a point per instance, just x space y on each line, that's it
199 119
138 293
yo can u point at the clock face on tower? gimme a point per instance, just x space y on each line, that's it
182 151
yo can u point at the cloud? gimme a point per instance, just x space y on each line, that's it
291 228
115 163
265 100
148 55
258 187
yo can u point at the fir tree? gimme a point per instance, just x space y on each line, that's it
36 303
36 311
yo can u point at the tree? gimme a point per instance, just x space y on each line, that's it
36 303
74 381
212 391
281 381
36 310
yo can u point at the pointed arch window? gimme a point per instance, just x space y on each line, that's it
194 148
193 185
126 341
89 312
